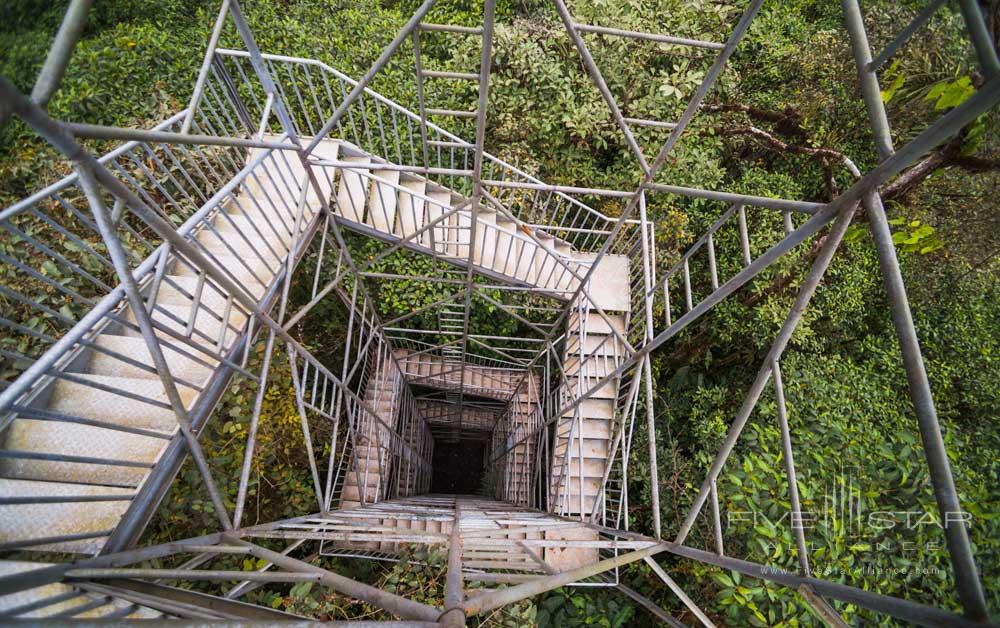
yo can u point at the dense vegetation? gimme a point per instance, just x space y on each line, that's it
785 111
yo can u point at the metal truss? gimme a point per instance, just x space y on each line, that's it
194 257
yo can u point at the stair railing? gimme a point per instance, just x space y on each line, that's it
312 90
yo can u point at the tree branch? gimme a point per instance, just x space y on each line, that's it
825 155
974 164
912 177
787 122
949 154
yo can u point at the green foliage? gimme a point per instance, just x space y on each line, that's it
846 392
950 94
419 575
577 607
853 432
280 485
915 237
847 396
892 83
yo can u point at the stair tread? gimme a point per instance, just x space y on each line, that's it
81 400
70 439
180 366
182 289
253 283
233 245
40 593
208 324
412 213
276 230
514 253
31 521
595 323
383 200
352 190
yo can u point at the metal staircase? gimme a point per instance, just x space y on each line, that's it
582 448
79 455
188 263
401 207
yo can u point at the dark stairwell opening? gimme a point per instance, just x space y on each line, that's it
458 466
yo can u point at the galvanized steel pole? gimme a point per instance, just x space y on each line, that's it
970 590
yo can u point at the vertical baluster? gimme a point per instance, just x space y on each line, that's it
666 302
687 285
716 520
744 235
711 263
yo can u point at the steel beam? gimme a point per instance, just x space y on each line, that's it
375 68
660 39
679 592
602 86
970 589
485 65
802 299
145 322
395 604
485 602
98 132
454 614
56 62
912 612
206 64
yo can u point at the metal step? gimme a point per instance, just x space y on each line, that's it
57 601
183 367
73 464
118 458
35 521
113 406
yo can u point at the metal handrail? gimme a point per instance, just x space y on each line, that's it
416 117
115 298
